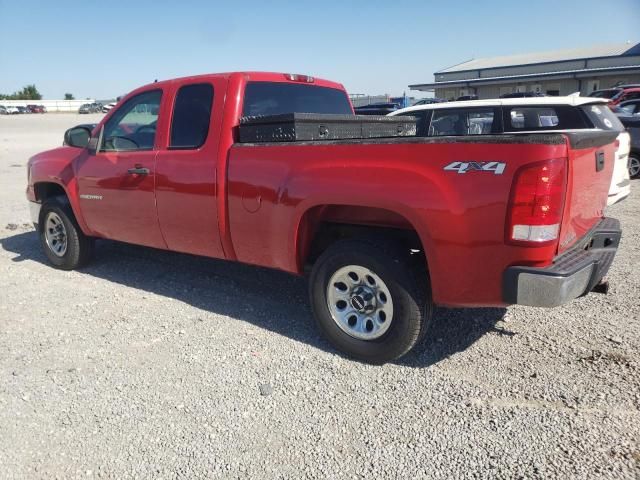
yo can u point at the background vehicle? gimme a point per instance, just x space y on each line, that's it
517 115
3 111
106 108
377 109
86 108
618 95
630 107
22 109
632 124
522 95
11 110
428 101
36 108
606 93
387 227
466 98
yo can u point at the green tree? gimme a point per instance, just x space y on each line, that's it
69 96
30 92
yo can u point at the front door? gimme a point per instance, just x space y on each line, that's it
116 184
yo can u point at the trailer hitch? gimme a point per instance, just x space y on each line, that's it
601 287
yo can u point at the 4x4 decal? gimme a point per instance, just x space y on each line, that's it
463 167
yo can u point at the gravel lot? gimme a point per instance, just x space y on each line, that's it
153 364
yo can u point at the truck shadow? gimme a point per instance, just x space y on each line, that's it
266 298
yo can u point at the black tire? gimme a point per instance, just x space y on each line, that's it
634 157
411 296
79 247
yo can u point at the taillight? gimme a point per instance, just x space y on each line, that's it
537 202
296 77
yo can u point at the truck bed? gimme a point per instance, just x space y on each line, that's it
404 182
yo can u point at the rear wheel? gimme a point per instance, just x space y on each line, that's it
367 300
64 244
634 165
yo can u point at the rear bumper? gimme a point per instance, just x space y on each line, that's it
572 274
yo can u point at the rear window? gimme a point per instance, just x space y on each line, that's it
274 98
543 117
476 121
602 117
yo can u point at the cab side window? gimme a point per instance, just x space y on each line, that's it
191 116
133 126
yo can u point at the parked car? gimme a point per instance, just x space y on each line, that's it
630 107
387 227
522 95
377 109
11 110
466 98
97 107
3 111
429 101
517 115
22 109
605 93
618 95
86 108
36 109
632 124
106 108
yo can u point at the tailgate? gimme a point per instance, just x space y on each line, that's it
591 158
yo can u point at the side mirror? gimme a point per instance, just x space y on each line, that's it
77 137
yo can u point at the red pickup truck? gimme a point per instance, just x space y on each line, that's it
387 227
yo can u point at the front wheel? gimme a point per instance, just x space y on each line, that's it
367 300
64 244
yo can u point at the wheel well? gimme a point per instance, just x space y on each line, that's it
323 226
45 190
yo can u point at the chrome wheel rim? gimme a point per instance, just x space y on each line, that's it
359 302
634 166
55 234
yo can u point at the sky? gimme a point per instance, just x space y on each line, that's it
105 49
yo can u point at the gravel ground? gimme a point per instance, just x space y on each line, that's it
154 364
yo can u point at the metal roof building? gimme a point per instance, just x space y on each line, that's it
554 73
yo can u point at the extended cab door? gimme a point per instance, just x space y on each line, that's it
186 169
116 184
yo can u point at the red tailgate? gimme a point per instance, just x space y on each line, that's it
590 168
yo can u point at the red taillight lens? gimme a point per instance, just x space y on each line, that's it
537 202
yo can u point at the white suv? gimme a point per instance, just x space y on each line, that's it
527 115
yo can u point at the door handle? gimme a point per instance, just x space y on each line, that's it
138 170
